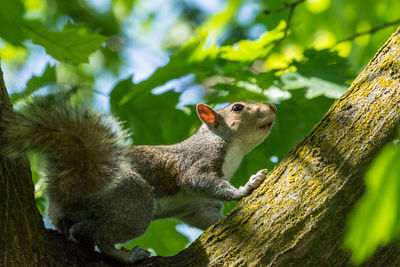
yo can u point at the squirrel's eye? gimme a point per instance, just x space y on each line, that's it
237 107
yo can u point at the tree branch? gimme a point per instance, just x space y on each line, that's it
371 31
285 6
288 23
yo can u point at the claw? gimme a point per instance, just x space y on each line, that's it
256 179
262 172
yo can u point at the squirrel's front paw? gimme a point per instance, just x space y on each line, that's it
256 179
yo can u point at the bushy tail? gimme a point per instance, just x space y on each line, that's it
85 149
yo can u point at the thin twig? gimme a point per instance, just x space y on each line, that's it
288 22
373 30
291 6
285 6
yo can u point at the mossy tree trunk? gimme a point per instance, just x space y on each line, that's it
297 217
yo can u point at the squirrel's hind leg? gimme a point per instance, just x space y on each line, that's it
89 233
127 216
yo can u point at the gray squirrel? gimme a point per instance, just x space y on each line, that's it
102 191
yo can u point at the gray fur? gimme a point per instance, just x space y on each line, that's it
102 191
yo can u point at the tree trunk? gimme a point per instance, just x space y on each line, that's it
297 217
20 222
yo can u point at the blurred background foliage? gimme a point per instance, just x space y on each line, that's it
149 62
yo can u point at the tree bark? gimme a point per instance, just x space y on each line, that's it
20 221
297 217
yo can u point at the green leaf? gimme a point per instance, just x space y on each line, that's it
231 93
213 26
11 13
11 32
48 76
12 9
72 44
326 65
162 237
375 219
320 73
153 119
194 57
249 50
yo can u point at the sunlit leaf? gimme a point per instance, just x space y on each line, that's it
195 58
315 86
212 27
249 50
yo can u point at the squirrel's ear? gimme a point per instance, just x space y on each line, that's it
207 114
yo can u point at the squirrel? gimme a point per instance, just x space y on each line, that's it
103 191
